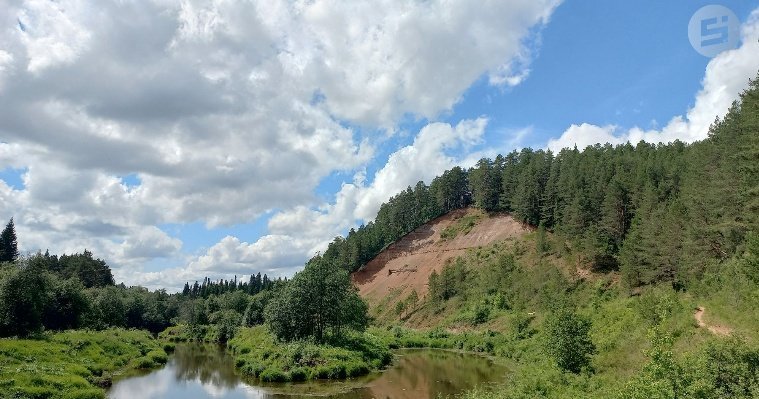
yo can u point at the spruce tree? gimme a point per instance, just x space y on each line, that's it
8 243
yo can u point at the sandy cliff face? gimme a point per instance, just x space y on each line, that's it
407 264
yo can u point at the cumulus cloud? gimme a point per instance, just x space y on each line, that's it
298 233
583 135
52 33
301 232
225 111
725 77
148 243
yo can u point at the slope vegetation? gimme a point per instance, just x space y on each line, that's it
407 264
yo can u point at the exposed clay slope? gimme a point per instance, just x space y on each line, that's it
422 251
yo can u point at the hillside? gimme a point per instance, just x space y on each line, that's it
407 264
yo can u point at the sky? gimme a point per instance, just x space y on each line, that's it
182 139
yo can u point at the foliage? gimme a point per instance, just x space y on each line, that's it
92 272
657 212
259 354
253 286
73 364
568 340
8 243
319 300
724 369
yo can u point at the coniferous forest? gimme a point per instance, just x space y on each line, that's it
655 212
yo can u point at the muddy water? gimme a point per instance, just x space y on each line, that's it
204 371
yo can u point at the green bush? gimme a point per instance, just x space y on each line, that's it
274 375
144 363
85 394
299 374
158 356
568 340
258 354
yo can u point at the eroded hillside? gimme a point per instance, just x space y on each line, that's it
406 265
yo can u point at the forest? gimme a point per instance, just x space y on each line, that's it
44 292
655 212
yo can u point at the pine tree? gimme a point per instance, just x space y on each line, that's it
486 185
8 243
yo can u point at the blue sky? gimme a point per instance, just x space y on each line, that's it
250 134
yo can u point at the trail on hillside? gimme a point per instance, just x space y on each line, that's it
714 329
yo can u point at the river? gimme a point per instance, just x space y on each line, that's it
207 371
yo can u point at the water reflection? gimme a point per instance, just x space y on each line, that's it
206 371
208 364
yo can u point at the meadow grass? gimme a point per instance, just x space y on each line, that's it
258 354
463 226
73 364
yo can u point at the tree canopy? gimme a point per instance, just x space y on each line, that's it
319 300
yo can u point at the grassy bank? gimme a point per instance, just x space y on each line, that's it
73 364
258 354
498 301
185 333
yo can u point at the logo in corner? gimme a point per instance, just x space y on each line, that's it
713 29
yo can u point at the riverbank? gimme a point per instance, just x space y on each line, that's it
257 354
206 371
74 364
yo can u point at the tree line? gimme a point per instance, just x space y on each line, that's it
43 292
207 288
657 212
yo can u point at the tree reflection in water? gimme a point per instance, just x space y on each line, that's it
207 371
207 363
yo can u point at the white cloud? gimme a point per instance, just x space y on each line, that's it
6 61
298 233
226 111
725 77
149 243
584 135
52 32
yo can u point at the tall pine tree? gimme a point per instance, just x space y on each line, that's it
8 243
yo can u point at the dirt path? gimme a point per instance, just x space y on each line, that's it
716 329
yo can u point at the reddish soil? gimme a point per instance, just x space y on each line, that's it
420 252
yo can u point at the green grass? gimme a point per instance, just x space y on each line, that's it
518 297
73 364
462 226
258 354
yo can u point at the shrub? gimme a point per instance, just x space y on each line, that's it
274 375
298 374
158 357
481 313
568 340
144 363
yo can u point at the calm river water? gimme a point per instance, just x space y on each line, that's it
206 371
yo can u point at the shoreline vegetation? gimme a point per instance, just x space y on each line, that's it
75 364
